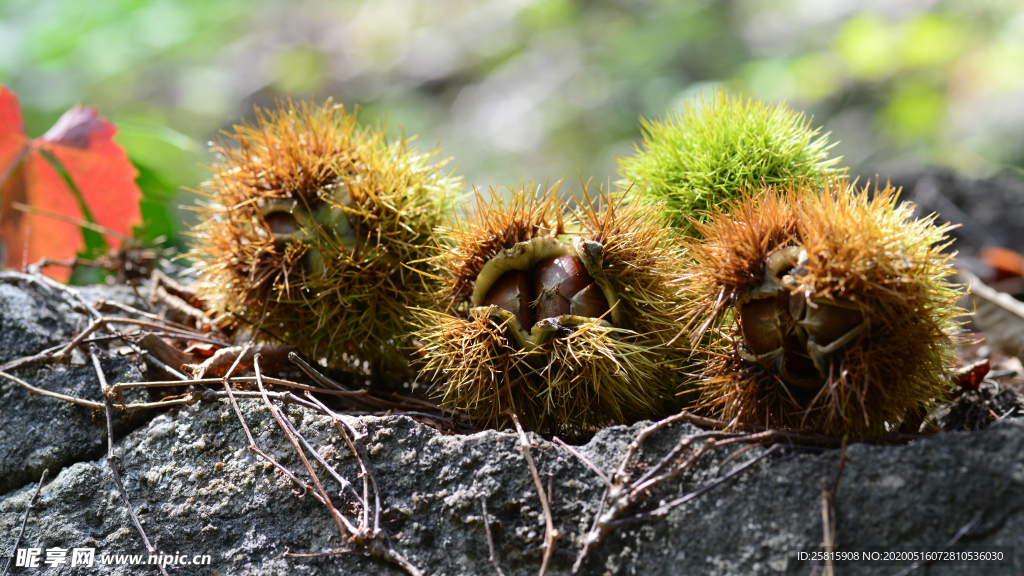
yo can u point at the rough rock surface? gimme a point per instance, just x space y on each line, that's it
36 434
200 492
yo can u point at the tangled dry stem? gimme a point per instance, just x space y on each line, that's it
364 536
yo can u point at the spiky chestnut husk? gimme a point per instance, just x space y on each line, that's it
716 149
591 348
833 310
315 229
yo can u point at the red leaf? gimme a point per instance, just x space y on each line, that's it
82 143
30 237
12 134
77 127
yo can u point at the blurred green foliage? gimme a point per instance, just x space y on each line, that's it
523 89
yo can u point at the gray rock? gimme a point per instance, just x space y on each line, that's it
31 322
199 491
40 433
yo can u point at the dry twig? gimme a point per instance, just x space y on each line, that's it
255 449
625 494
373 541
490 541
551 535
41 392
344 526
828 511
115 463
365 536
24 521
584 459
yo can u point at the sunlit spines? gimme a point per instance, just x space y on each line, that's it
494 224
836 314
566 373
314 230
715 149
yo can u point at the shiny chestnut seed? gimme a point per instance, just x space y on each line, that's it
767 326
759 323
826 323
555 281
282 223
589 302
512 293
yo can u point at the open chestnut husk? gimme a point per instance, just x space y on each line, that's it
563 316
834 310
313 232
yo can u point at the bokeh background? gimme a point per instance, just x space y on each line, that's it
524 89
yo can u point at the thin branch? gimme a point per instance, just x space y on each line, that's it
330 469
551 535
114 462
648 479
41 392
309 370
68 219
239 379
155 361
100 323
178 304
103 304
75 299
789 435
24 521
828 512
375 542
315 374
344 526
191 337
238 357
641 436
286 397
44 357
408 404
625 494
355 443
663 510
255 449
490 541
191 398
13 277
584 459
161 279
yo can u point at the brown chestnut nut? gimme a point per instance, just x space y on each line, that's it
512 293
282 223
589 302
555 282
